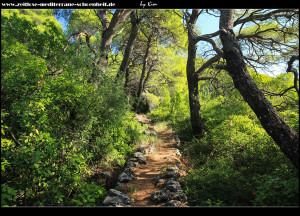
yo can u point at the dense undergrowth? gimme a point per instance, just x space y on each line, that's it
64 136
56 132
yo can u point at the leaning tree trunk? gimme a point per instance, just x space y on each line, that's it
192 79
285 137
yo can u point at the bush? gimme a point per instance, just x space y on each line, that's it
197 152
216 183
8 195
280 188
89 195
277 192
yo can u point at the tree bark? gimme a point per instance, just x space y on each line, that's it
129 47
285 137
192 79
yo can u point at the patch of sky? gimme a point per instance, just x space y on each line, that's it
208 23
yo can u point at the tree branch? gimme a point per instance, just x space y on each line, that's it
277 94
67 44
64 49
262 17
14 138
207 78
207 38
208 63
221 67
211 35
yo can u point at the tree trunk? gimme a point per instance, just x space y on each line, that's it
145 62
108 33
285 137
192 79
126 80
129 47
194 103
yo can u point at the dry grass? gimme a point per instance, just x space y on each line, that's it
161 126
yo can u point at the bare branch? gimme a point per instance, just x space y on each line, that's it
64 49
207 38
207 78
277 94
262 17
79 34
14 138
208 63
212 34
174 11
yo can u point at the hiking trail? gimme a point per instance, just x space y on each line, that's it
164 156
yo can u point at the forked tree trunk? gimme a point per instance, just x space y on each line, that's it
285 137
109 32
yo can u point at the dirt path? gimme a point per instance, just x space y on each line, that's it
164 156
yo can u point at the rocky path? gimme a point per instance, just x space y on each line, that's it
151 178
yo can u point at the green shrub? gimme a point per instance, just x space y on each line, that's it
88 195
277 192
8 196
216 182
279 188
197 151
